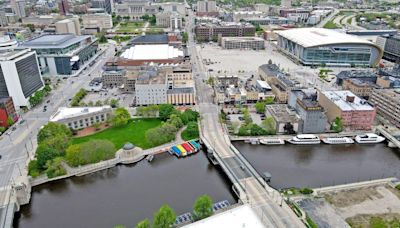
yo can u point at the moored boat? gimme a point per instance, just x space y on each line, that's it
305 139
338 140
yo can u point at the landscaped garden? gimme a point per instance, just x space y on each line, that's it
134 132
56 143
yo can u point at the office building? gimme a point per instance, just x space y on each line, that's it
7 110
63 7
173 21
68 26
107 5
355 112
181 89
252 43
82 117
363 75
206 8
360 88
281 84
19 8
135 9
151 88
387 102
284 118
310 111
318 46
211 32
61 54
390 46
20 76
97 20
173 7
268 70
39 20
388 82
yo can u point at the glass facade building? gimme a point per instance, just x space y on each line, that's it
326 49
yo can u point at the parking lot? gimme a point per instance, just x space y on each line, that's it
124 100
233 61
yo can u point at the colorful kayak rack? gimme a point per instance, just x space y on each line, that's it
186 148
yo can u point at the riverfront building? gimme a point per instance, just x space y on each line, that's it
318 46
61 54
284 118
310 111
20 76
82 117
387 102
355 112
253 43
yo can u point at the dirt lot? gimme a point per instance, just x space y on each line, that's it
366 221
352 196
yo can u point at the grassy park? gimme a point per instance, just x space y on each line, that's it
133 132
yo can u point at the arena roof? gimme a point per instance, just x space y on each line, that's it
152 52
311 37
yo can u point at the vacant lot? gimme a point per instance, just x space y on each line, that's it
352 196
133 132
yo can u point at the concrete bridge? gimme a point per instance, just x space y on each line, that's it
249 186
393 142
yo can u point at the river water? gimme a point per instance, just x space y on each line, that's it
128 194
322 165
124 194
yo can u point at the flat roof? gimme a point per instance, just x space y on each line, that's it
339 99
54 41
65 112
263 84
238 217
311 37
152 52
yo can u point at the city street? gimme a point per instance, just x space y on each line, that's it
21 143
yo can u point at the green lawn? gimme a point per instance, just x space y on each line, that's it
330 25
133 132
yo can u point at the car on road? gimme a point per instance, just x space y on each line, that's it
14 128
241 118
48 101
22 122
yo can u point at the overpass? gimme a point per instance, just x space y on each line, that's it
393 141
247 183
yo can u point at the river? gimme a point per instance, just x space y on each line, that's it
124 194
322 165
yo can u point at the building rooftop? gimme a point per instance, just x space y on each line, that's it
151 77
238 217
264 85
53 41
281 113
243 38
393 93
65 112
356 74
270 69
363 83
312 37
152 52
339 98
180 90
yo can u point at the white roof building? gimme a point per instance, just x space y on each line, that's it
238 217
311 37
152 52
339 98
67 113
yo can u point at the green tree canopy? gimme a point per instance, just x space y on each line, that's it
175 120
260 107
143 224
203 207
164 217
165 110
120 117
90 152
189 116
45 154
269 125
53 129
160 135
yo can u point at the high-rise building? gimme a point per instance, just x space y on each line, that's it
107 5
387 102
63 7
70 25
390 46
20 76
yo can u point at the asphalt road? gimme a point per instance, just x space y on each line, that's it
21 143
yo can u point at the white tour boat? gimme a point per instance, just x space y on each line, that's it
338 140
369 138
305 139
272 141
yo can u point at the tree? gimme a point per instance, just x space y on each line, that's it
114 103
165 110
175 120
120 117
10 121
185 37
2 129
98 103
269 125
337 125
260 107
119 225
189 116
52 129
191 131
31 27
143 224
288 128
203 207
246 116
160 135
55 168
102 39
44 154
90 152
164 217
269 100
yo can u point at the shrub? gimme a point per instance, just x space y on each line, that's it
306 191
160 135
191 131
33 169
54 168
